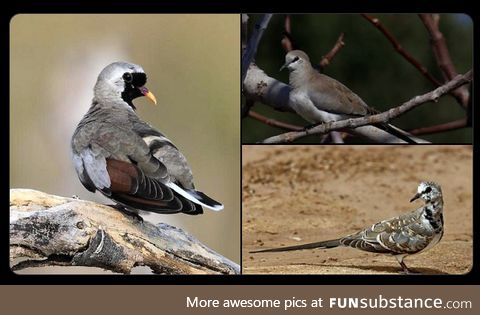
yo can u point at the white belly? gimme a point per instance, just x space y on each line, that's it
307 110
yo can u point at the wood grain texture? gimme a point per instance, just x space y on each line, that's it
49 230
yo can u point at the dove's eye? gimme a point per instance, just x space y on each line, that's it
428 189
127 77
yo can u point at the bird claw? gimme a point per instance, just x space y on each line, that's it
126 212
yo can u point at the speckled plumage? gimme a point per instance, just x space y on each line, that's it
404 235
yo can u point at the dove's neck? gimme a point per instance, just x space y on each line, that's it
433 213
300 77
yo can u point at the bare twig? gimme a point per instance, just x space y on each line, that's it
451 125
273 122
287 40
442 55
288 24
377 118
439 45
336 48
396 45
251 50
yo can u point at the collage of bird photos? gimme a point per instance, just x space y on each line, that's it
306 144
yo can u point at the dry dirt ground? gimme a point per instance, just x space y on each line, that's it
301 194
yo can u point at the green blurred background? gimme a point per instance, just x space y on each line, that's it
369 65
192 63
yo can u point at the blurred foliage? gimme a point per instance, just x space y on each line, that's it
369 65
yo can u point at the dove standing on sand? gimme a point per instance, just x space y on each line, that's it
126 159
401 236
318 98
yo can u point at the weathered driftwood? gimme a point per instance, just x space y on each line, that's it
48 230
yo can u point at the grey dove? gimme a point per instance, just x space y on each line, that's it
319 98
405 235
126 159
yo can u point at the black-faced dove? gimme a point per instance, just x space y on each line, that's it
126 159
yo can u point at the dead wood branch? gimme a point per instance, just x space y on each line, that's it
50 230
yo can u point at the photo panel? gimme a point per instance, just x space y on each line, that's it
357 208
101 179
374 78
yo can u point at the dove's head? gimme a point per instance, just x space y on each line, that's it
428 191
122 82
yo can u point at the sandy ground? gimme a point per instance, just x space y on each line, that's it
300 194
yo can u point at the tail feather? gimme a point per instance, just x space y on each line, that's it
397 132
323 244
196 197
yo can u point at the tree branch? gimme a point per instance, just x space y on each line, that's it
273 122
377 118
451 125
52 230
339 44
442 55
396 45
287 40
251 50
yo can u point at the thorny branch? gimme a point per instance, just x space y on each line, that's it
377 118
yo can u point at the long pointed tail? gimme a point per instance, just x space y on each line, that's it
399 133
324 244
197 197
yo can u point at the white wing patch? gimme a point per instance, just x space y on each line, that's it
96 167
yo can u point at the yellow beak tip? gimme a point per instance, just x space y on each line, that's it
151 97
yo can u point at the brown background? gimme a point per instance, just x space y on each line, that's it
171 299
301 194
